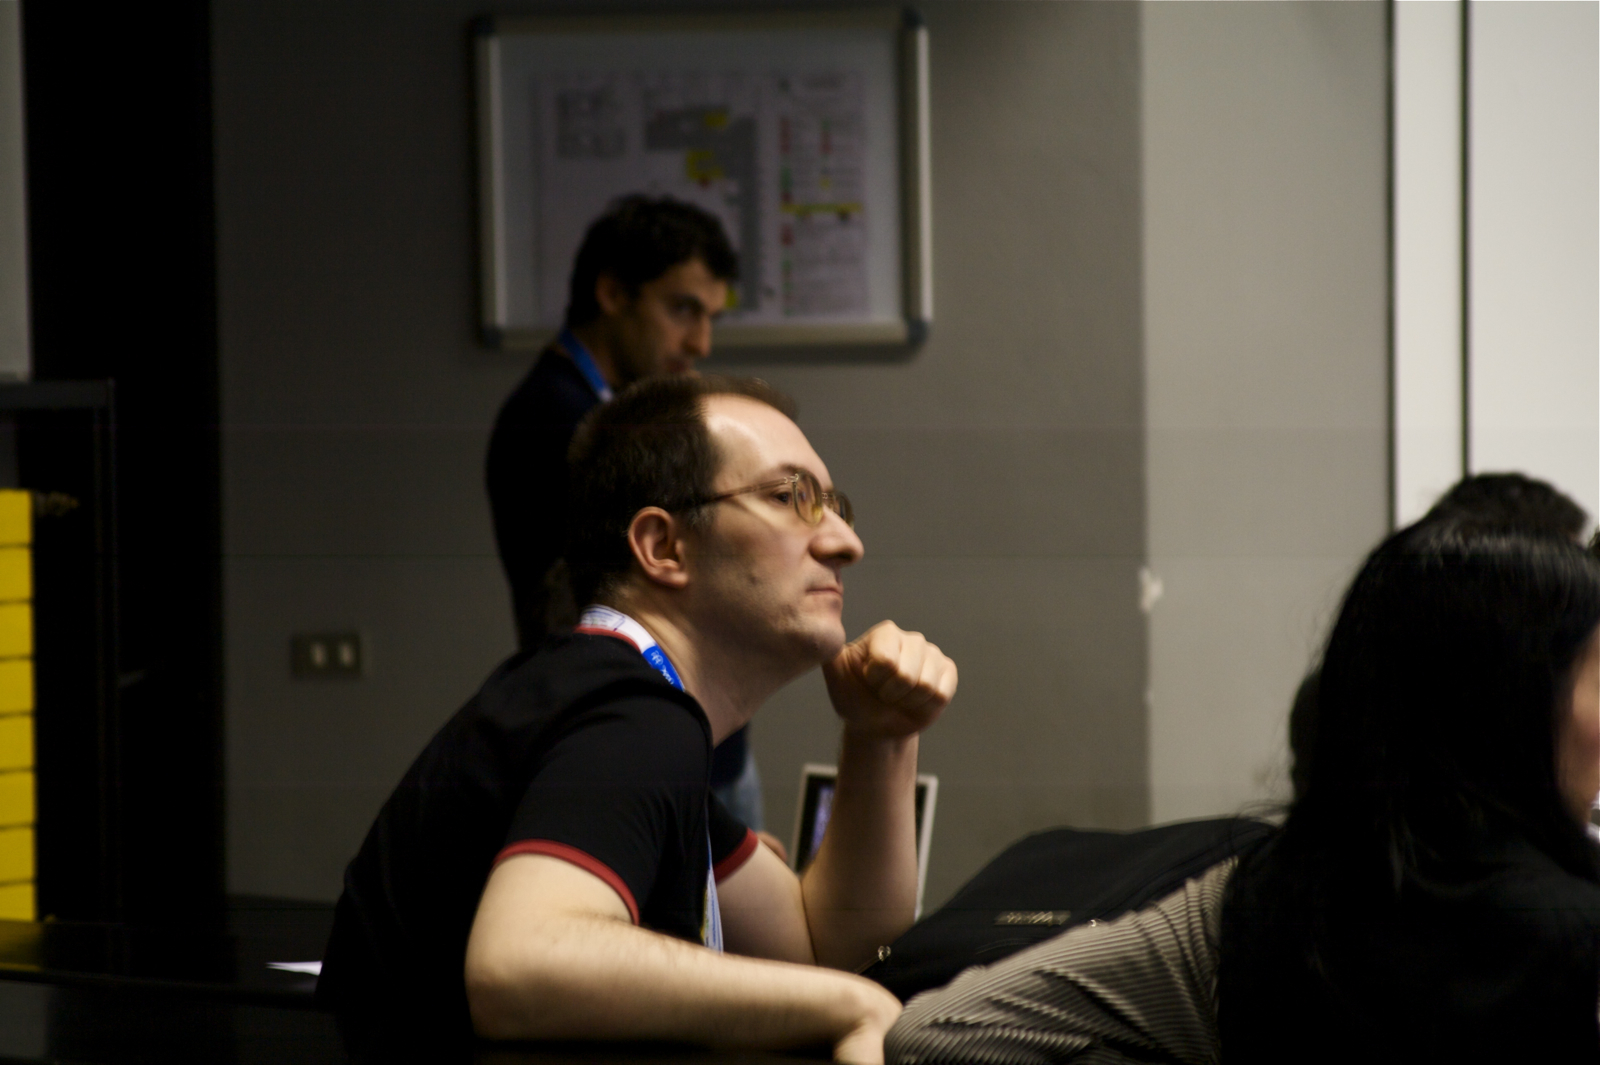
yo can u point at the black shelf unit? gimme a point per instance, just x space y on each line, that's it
122 286
57 441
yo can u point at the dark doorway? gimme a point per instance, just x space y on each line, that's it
123 283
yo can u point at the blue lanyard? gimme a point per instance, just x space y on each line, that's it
585 363
602 619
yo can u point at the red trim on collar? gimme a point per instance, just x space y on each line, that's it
595 630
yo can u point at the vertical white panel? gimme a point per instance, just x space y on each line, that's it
14 358
1427 254
1534 289
1266 370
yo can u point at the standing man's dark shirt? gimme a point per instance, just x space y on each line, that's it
526 474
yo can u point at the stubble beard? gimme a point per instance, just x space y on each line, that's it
787 646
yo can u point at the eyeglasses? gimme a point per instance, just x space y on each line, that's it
806 494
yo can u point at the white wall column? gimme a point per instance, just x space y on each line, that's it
1534 242
1427 204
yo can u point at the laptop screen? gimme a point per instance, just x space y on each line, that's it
817 786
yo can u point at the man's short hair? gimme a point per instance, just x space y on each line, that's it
1511 502
648 447
638 239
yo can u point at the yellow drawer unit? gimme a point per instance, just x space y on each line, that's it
16 742
17 901
16 798
16 630
16 854
18 809
16 685
16 517
16 574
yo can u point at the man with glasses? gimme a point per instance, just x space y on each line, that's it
649 280
553 865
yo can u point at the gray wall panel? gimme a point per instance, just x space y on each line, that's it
998 470
1266 287
1211 176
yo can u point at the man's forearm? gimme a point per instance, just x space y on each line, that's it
582 977
861 891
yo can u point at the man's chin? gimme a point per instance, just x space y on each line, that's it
816 642
829 643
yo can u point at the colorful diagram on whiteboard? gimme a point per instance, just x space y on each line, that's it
778 157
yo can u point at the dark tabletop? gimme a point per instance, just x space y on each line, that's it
98 994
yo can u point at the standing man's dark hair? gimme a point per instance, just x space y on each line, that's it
637 240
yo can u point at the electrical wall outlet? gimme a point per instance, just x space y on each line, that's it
326 654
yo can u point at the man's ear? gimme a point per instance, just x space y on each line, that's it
611 294
656 539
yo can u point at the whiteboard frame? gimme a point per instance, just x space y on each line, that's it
916 191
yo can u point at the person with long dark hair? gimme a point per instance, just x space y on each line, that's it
1434 893
1144 986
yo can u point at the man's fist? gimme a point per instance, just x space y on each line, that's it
888 683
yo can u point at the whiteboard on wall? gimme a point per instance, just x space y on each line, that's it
805 133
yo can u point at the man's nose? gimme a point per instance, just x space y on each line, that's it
697 342
837 541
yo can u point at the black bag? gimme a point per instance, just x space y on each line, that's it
1049 882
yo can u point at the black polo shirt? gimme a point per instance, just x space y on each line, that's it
581 751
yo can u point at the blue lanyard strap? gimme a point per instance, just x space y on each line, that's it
585 364
603 619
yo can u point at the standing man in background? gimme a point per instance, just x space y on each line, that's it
650 278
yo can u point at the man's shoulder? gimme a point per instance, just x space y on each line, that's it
577 673
535 424
553 388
